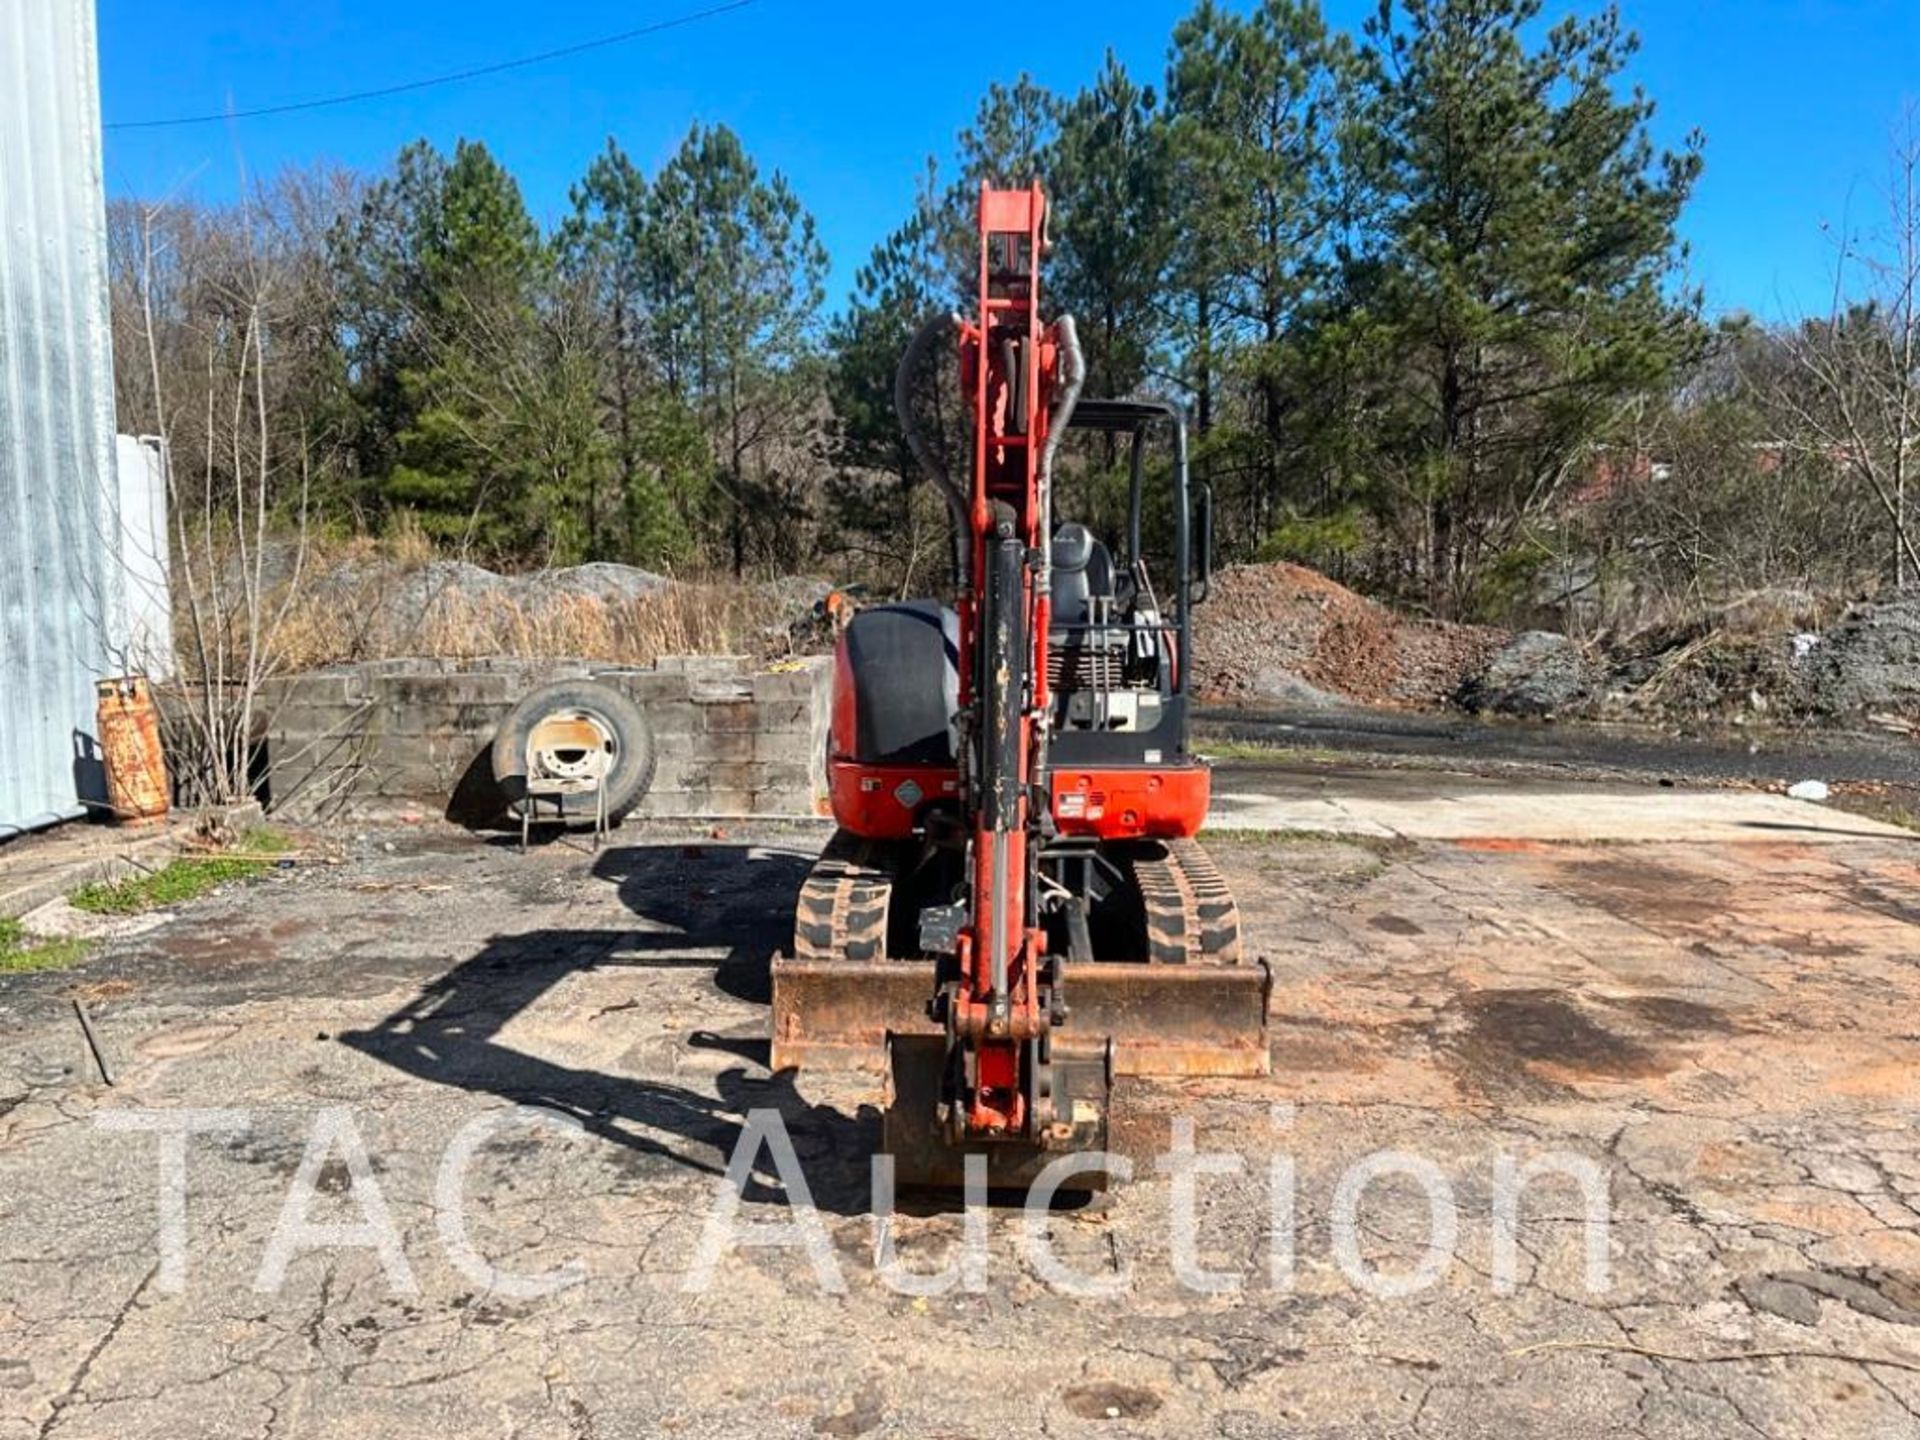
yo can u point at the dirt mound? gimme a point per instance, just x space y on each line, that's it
1267 628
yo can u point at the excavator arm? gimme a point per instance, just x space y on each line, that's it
994 1077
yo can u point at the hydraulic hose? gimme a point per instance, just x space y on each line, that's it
1073 374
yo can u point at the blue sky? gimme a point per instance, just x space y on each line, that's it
1797 99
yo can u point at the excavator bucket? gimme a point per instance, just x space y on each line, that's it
1163 1020
923 1155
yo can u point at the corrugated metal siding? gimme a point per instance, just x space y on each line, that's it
58 494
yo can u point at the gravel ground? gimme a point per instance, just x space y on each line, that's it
1722 1034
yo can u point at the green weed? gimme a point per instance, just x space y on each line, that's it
172 884
22 954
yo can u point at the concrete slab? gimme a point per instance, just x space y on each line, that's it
1471 808
48 864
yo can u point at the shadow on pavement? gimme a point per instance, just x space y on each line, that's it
695 899
1824 830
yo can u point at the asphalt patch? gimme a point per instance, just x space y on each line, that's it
1528 1040
1645 890
1107 1401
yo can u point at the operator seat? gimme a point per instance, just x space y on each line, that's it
1082 573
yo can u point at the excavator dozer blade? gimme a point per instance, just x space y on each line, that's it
1164 1020
924 1156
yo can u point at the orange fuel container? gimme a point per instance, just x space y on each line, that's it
130 744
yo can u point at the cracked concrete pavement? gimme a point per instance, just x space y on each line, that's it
1726 1030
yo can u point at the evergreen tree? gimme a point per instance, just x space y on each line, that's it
605 249
477 374
1111 227
1254 102
378 259
736 277
1011 138
1509 288
477 255
1008 146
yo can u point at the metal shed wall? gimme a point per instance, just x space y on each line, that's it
59 507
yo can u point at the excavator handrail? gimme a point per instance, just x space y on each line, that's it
1100 414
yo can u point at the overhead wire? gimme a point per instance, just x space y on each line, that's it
453 77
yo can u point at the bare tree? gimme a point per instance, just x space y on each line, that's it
1853 390
207 304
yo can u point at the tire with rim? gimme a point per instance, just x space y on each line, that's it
612 713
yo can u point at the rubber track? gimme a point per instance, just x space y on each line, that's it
842 911
1191 917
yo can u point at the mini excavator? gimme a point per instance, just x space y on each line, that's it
1014 909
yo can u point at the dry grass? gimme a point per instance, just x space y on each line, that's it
1769 611
365 599
682 619
404 541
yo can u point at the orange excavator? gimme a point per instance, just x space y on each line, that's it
1014 908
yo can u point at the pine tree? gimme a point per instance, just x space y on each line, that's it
1011 138
1254 103
1008 146
377 257
1509 290
884 511
477 370
477 255
605 249
736 275
1111 185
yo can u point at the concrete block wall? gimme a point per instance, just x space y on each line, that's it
730 738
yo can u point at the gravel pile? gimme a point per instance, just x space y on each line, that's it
1284 633
1867 663
1536 673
